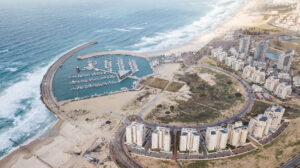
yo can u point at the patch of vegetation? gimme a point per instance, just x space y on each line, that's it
258 31
291 112
156 82
80 112
297 143
258 108
197 164
206 103
278 153
175 86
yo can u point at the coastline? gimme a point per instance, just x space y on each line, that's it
244 17
240 19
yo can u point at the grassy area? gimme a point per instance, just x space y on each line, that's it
175 86
155 82
291 112
197 164
206 103
258 108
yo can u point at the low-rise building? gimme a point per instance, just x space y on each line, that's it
237 134
257 88
189 140
271 83
276 113
216 138
259 126
283 90
161 139
135 134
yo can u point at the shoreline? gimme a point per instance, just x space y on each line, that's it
237 20
195 44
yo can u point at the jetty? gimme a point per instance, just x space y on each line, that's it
47 95
112 53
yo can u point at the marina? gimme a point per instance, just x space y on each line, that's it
108 64
103 75
133 66
120 64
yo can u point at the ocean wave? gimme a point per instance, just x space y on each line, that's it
129 29
11 69
21 104
35 118
221 10
4 51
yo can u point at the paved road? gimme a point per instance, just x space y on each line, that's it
246 107
292 163
242 112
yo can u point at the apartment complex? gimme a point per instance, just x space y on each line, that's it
216 138
244 45
260 51
135 134
285 60
189 140
230 60
276 114
248 72
161 139
271 83
237 134
259 126
283 90
237 65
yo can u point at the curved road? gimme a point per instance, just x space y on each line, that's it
51 103
242 112
246 107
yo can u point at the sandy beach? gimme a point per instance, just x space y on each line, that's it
67 142
247 16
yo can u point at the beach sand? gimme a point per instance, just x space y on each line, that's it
57 147
247 16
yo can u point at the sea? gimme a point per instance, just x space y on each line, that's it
35 33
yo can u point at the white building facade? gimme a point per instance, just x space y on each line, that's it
189 140
135 134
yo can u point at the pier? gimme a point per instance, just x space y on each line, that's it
46 86
112 53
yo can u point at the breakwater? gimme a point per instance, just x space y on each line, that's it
47 95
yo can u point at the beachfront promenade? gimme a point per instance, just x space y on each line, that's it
46 86
112 53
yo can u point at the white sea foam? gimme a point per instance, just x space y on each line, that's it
11 69
122 29
129 29
36 120
4 51
163 40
